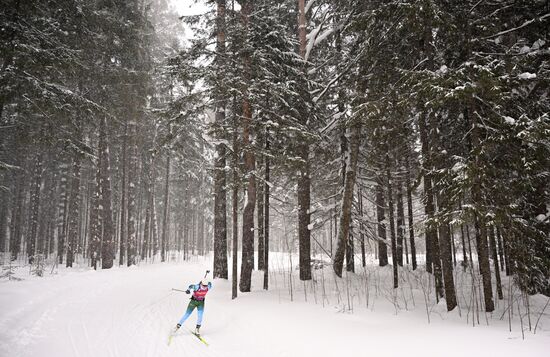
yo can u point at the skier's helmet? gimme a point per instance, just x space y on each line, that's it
205 282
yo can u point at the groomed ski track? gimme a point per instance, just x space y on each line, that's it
128 312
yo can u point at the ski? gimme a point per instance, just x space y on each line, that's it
171 336
199 337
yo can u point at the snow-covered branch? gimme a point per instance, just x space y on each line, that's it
525 24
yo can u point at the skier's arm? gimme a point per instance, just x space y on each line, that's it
190 288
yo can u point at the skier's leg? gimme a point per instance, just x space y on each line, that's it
188 312
200 312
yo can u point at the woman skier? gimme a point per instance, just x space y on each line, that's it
198 292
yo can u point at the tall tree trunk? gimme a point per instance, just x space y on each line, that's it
201 209
48 208
484 265
95 223
350 252
247 262
234 206
62 209
266 213
164 238
400 222
4 212
394 259
433 261
463 240
381 217
123 204
220 196
438 158
132 194
446 256
154 226
480 225
34 207
200 232
492 242
148 205
500 249
361 232
304 179
347 199
260 216
108 240
17 215
74 211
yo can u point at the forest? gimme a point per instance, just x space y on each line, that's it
350 135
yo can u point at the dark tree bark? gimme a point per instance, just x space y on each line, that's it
480 225
394 259
200 232
74 211
464 257
247 261
17 215
34 207
492 242
446 258
95 223
304 179
49 204
200 218
437 158
220 196
433 261
4 212
500 249
350 252
400 222
381 217
453 245
260 216
484 266
62 209
463 241
106 212
154 226
148 206
235 203
266 213
132 194
165 222
347 199
123 202
304 219
361 232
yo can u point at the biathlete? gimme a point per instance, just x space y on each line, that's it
198 294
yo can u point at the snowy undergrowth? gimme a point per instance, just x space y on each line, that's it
129 311
371 288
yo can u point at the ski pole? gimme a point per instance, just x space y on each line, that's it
207 272
181 291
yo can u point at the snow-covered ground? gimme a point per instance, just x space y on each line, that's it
130 311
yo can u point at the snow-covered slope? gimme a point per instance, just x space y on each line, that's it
129 312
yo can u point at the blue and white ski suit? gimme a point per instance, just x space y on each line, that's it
197 301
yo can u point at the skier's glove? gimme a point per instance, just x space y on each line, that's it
187 291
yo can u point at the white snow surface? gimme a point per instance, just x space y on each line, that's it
130 311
